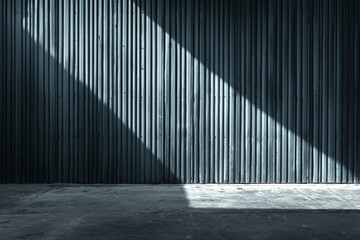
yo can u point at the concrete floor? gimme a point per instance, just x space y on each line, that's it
180 212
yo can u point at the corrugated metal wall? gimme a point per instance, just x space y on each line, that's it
180 91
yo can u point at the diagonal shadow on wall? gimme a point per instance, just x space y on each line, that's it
58 144
290 63
259 60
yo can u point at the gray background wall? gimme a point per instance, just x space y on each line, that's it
179 91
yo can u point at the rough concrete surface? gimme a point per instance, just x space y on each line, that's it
179 211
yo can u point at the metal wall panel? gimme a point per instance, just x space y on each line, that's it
145 91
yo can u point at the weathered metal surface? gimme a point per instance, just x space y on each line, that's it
180 91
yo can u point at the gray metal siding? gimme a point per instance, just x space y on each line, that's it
180 91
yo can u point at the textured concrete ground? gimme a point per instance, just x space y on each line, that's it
179 212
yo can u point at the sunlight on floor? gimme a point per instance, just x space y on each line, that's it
274 197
